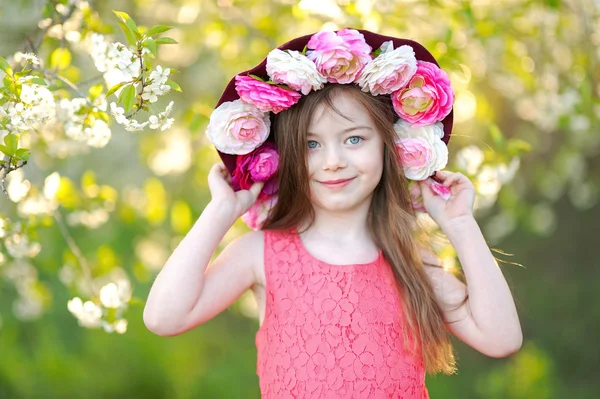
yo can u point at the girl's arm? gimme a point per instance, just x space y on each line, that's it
184 293
491 305
488 320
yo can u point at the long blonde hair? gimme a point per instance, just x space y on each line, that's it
392 219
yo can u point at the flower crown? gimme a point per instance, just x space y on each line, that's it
421 94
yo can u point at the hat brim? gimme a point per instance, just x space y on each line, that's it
373 39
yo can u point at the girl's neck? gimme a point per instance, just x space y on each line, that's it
346 227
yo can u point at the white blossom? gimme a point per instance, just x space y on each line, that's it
295 70
89 314
27 57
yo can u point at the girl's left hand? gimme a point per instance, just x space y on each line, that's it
460 203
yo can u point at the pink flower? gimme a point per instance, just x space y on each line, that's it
421 149
427 99
237 128
266 97
438 188
258 166
339 57
258 213
390 71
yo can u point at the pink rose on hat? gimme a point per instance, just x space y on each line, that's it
258 166
339 57
266 97
237 128
389 71
428 98
421 149
295 70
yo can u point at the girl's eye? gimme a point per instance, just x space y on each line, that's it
312 144
354 140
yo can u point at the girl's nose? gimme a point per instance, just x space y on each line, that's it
334 159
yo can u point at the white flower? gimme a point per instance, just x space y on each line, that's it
18 246
162 121
388 72
154 122
135 126
167 124
428 141
28 57
150 93
169 109
295 70
98 135
115 296
237 128
118 113
89 314
158 76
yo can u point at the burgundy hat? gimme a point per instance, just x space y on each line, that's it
373 39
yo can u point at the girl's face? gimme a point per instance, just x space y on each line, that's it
345 156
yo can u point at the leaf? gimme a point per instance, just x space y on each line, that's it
115 88
60 58
173 85
39 81
128 34
156 29
12 143
496 135
128 97
256 77
22 73
5 67
7 80
516 146
126 19
4 149
165 40
151 45
48 10
23 154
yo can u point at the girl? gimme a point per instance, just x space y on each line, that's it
318 160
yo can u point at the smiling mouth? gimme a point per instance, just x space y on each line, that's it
336 183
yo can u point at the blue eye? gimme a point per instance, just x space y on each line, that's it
312 144
355 140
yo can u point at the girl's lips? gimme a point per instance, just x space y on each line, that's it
336 183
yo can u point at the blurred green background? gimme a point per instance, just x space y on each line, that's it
527 79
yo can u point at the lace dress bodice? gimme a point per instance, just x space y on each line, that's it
332 331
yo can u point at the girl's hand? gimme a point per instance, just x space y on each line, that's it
222 193
460 203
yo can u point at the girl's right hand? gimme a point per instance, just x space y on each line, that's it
222 193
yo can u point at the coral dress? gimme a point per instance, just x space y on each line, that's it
332 331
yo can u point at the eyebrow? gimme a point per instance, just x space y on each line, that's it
348 130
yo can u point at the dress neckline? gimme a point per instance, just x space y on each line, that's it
300 244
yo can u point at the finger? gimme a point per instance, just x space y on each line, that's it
256 189
425 190
456 178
